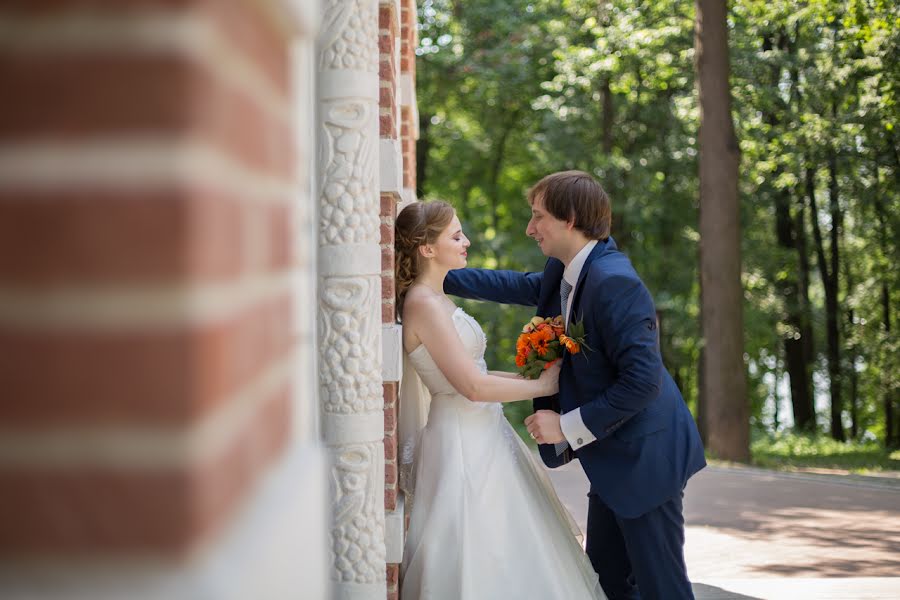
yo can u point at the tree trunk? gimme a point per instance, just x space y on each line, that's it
725 385
829 283
806 327
422 146
795 357
607 100
890 440
852 352
789 44
831 304
496 166
776 398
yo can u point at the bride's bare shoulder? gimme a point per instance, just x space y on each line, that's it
422 305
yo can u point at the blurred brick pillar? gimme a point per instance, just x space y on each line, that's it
147 187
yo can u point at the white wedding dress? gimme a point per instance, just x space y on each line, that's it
485 521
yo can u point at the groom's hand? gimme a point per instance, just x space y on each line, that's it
544 427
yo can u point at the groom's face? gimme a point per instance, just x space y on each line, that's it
550 233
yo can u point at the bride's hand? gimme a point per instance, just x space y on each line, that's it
549 379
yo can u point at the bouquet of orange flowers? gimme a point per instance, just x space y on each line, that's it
542 341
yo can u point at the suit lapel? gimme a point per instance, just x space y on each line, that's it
548 302
599 250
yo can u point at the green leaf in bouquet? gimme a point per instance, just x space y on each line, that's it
576 330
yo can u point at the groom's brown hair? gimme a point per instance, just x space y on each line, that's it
575 196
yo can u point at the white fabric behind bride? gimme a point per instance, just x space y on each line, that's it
485 522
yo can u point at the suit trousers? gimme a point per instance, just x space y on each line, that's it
641 558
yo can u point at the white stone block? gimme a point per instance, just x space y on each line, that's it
390 165
392 352
394 533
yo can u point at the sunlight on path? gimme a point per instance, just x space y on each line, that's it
753 533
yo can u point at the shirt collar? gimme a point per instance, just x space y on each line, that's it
574 269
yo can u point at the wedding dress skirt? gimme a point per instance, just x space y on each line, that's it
485 521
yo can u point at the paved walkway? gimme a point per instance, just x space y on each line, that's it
757 534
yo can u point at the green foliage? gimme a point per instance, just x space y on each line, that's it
511 91
793 451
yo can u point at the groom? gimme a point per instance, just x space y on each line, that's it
618 411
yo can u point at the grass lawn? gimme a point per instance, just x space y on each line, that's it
790 451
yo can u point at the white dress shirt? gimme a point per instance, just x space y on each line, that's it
572 425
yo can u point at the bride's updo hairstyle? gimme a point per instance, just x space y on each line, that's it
417 224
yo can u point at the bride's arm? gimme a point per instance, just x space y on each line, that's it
434 327
505 374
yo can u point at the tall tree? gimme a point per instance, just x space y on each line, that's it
789 237
721 296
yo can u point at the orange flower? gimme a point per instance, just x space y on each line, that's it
520 360
541 341
549 364
522 343
570 344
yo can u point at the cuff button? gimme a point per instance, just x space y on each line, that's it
579 441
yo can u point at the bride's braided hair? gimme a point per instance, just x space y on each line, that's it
417 224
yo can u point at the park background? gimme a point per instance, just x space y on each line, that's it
512 90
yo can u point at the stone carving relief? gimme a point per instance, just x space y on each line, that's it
349 38
358 550
348 330
347 152
349 311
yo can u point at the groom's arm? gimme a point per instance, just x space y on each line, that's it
626 332
504 287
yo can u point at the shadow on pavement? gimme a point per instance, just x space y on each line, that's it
711 592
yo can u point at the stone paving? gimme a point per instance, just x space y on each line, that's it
758 534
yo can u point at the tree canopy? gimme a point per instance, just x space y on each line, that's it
511 90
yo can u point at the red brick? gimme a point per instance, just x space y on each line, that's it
386 97
387 287
389 206
253 31
389 390
390 474
386 19
162 376
387 234
387 313
390 447
387 259
393 574
390 420
390 499
108 511
146 94
387 127
100 235
385 44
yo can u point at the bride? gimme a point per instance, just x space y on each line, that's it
485 522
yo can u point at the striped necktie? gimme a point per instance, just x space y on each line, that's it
565 288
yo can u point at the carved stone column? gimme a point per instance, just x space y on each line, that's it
349 281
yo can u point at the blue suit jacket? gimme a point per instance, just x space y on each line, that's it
647 442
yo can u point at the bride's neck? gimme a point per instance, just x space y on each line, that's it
432 280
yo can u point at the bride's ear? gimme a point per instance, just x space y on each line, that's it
426 251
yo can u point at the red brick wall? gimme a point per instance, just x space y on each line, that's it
397 40
149 323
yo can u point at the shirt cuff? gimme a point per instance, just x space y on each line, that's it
574 429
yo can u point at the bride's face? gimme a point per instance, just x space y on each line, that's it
449 250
